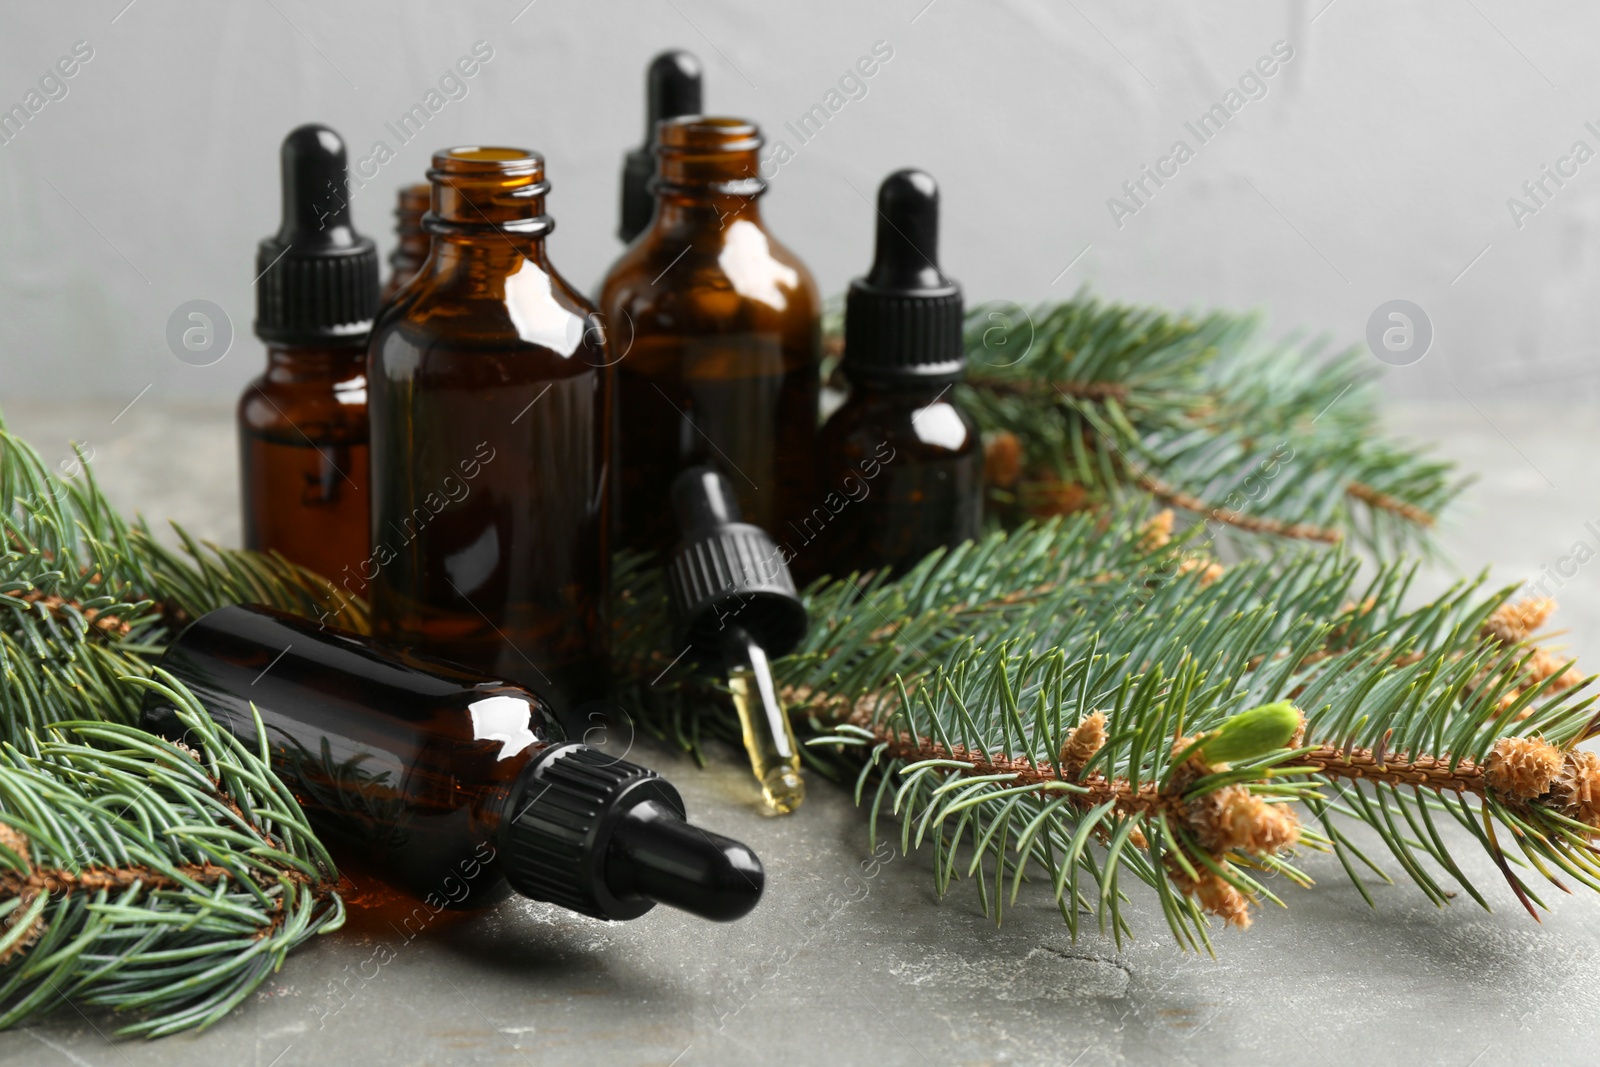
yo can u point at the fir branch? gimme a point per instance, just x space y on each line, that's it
1381 501
1024 697
142 876
1051 389
133 876
1297 531
87 597
1412 705
1085 403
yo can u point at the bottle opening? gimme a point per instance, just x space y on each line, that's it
475 159
477 187
699 155
707 134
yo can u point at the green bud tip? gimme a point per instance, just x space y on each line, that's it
1252 733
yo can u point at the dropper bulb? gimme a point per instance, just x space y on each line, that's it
907 254
658 855
703 500
672 86
316 200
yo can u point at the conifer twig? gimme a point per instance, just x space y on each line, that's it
135 874
139 875
1085 403
1019 699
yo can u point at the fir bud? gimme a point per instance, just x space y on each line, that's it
1252 733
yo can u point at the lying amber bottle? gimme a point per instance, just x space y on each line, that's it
412 246
900 464
715 332
303 423
452 786
490 405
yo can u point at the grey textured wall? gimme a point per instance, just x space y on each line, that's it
1376 163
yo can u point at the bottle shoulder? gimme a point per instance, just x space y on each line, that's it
530 312
277 400
711 281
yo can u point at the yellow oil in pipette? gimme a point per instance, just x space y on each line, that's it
768 737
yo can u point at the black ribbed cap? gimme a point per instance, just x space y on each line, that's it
726 573
903 320
672 88
317 278
562 815
609 838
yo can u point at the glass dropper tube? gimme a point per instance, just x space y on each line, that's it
768 735
732 599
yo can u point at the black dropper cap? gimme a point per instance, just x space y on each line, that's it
903 320
727 575
672 88
609 838
317 278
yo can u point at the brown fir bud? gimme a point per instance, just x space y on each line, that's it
1085 740
106 624
1511 623
1233 818
1157 530
1523 766
19 884
1213 892
1048 497
17 842
58 606
1002 459
1136 837
1576 790
1209 570
1508 698
1545 664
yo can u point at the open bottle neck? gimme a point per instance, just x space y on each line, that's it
707 173
677 214
488 194
486 209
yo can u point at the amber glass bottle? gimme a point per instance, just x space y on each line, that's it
303 424
715 332
900 464
490 404
448 784
412 248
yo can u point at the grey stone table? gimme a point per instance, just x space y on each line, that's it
851 960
